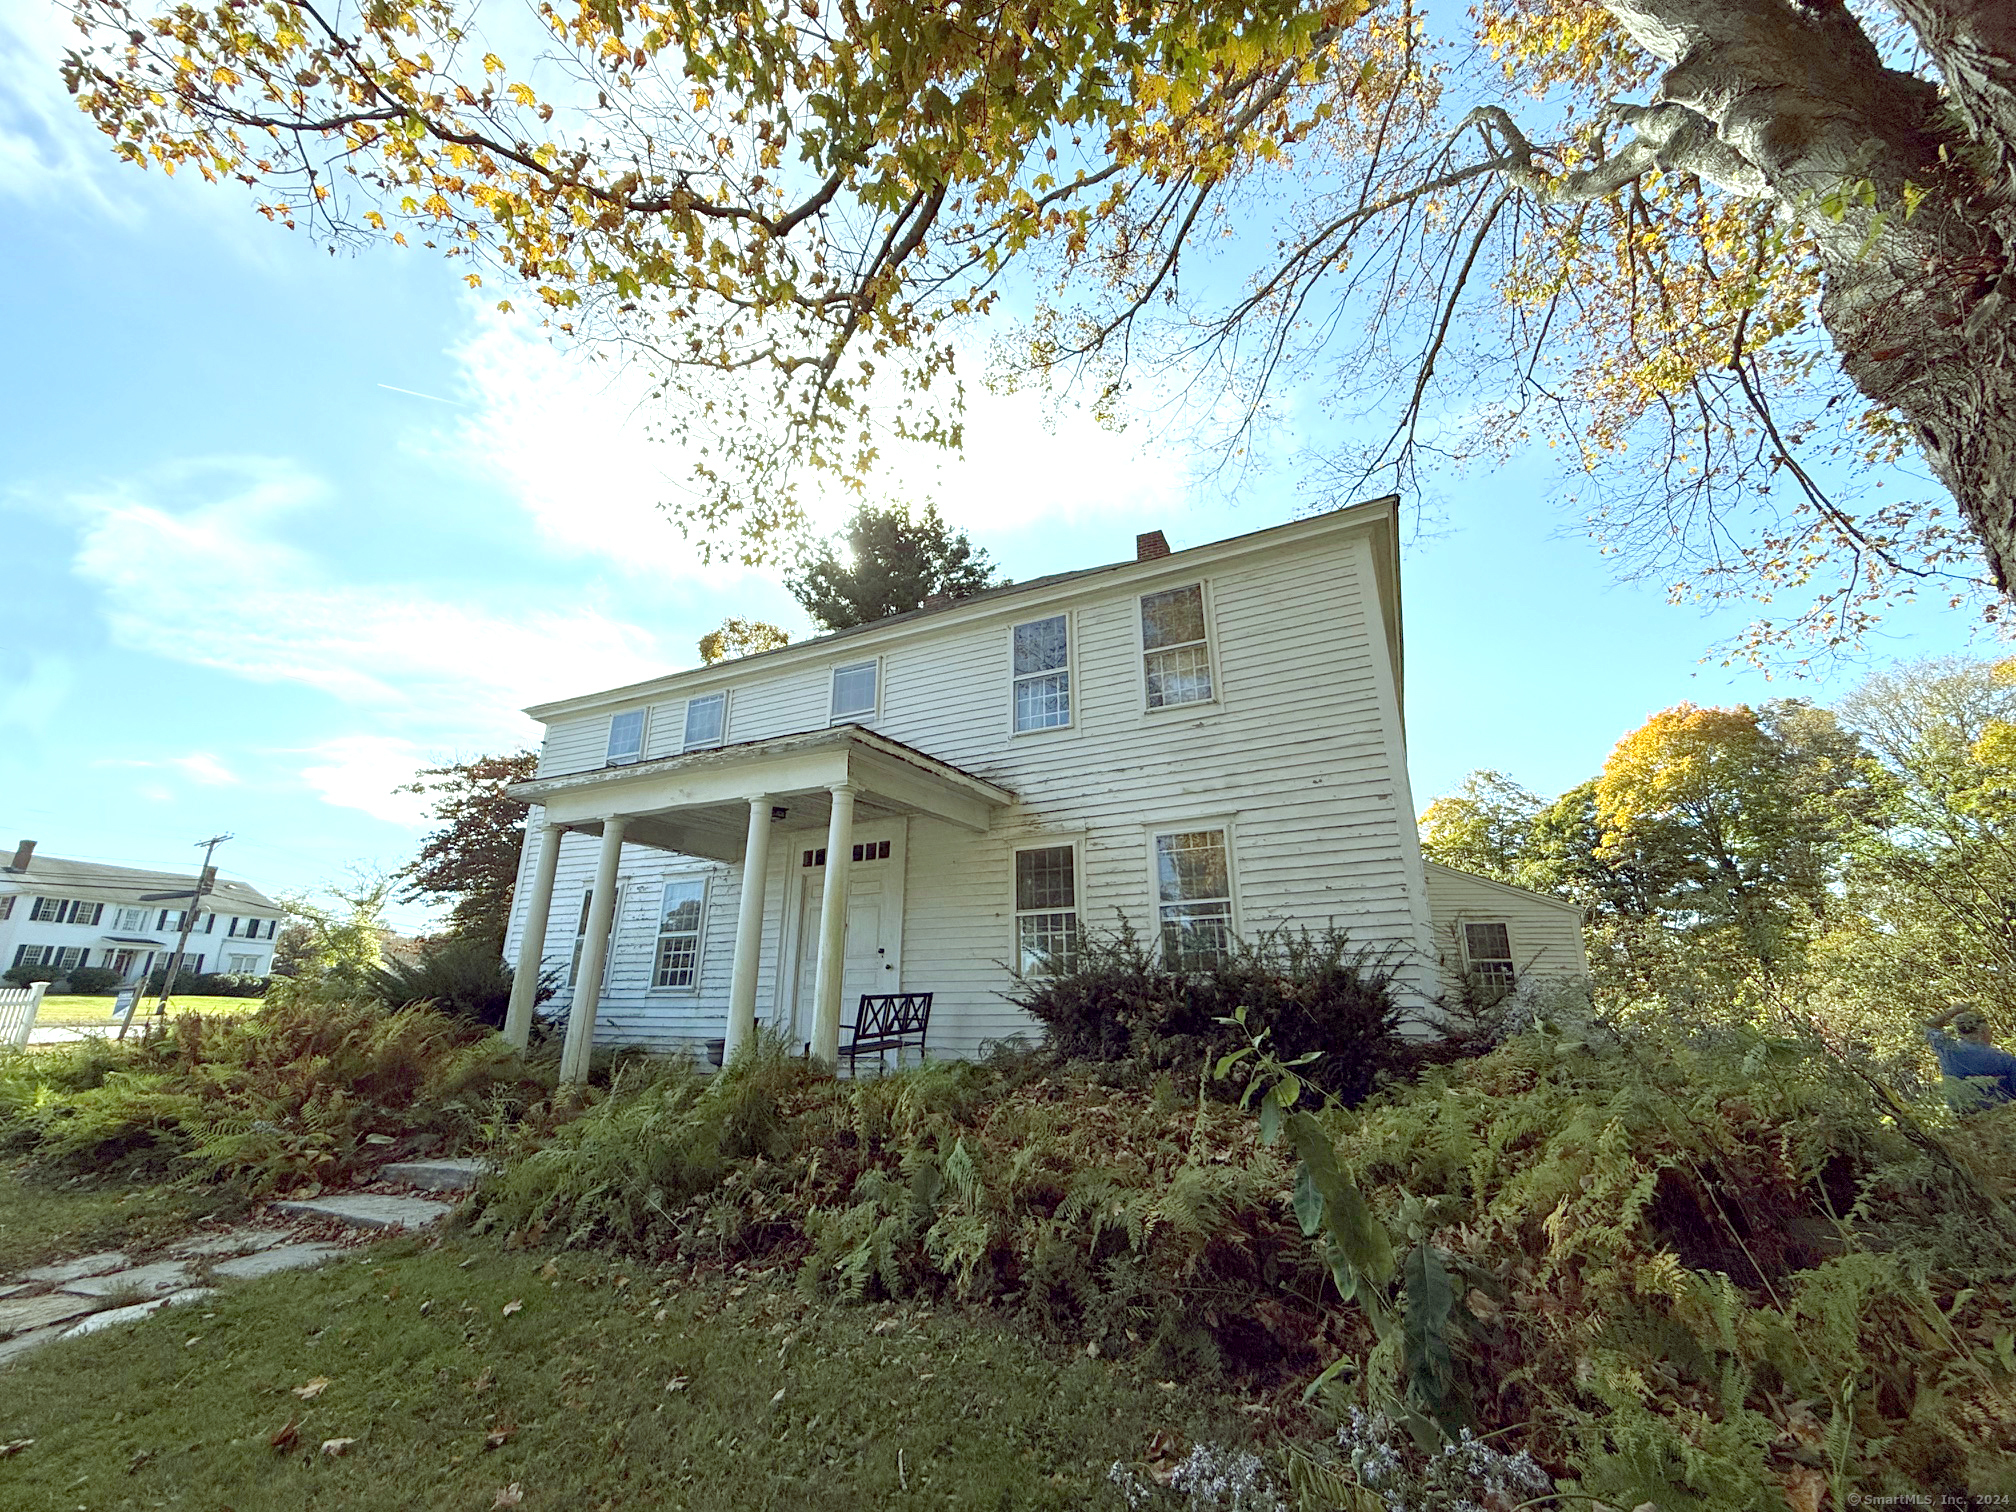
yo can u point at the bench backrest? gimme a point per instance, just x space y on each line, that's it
889 1013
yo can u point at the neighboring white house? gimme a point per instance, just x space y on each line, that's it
66 914
1204 742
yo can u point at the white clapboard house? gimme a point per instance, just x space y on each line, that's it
63 914
1205 742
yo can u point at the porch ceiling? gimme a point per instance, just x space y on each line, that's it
698 803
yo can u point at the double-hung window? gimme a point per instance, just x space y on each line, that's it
130 918
1193 893
1046 907
1042 674
47 911
82 912
626 738
6 905
1175 647
706 721
854 691
1487 957
679 915
244 965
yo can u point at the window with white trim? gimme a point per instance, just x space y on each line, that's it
1175 647
82 912
1042 674
6 905
626 738
243 965
1487 958
47 911
706 721
854 691
171 918
56 957
679 916
1046 908
1193 897
130 918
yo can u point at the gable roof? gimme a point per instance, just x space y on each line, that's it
1531 895
1377 515
61 875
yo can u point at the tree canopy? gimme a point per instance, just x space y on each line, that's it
471 861
885 562
1793 250
740 637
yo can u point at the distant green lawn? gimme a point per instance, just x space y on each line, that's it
98 1010
465 1376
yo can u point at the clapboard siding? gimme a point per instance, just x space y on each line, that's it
1300 756
1546 933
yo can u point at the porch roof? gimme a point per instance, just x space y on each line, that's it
697 803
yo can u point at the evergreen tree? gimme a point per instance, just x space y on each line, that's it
471 861
886 562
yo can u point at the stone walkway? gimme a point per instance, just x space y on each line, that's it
92 1292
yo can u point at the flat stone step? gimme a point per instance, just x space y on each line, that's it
139 1310
272 1261
457 1175
368 1210
228 1244
142 1281
26 1314
76 1270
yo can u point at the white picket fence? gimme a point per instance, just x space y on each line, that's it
18 1007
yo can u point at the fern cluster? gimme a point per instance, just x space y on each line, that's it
294 1095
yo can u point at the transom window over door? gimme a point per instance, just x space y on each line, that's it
1042 674
1193 891
1046 907
679 914
626 738
1176 651
706 721
854 691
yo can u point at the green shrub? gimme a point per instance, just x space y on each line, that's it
28 976
227 984
186 983
94 981
1312 994
466 978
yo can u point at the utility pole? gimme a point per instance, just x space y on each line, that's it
206 881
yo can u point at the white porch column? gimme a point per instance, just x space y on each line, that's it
748 930
594 953
833 930
532 944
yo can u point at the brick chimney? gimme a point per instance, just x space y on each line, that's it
23 854
1149 545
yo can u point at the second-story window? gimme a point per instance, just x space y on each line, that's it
706 721
47 910
82 912
1175 650
131 918
626 737
854 691
1042 674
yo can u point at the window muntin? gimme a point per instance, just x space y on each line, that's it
679 916
1042 674
6 905
82 912
57 957
1487 956
854 689
626 738
1176 650
1193 893
130 918
706 721
171 918
244 965
47 911
1046 907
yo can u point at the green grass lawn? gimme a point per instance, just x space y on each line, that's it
40 1222
98 1010
600 1386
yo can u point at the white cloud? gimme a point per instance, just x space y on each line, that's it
48 149
198 766
362 771
193 566
567 437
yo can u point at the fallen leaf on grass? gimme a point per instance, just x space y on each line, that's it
287 1437
9 1450
678 1383
1805 1489
514 1305
333 1447
886 1325
497 1438
777 1398
313 1389
508 1496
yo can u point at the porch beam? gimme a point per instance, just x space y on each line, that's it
594 954
748 929
833 929
532 943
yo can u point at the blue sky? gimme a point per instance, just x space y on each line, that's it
279 527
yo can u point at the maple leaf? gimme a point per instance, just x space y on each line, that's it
288 1436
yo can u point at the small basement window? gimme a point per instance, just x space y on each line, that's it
706 721
1487 955
626 738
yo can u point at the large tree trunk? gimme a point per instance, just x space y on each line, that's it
1909 193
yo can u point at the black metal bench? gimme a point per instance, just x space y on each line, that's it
888 1021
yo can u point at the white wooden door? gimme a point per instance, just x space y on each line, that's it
874 941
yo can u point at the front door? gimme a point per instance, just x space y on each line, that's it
874 948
